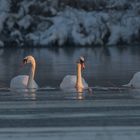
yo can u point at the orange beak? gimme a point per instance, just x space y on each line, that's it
83 66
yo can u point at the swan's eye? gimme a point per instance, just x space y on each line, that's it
24 61
81 61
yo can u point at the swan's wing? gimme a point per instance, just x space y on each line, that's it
35 86
135 81
85 84
69 81
19 82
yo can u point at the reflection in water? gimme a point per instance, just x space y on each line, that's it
30 95
103 65
25 93
104 54
80 95
83 92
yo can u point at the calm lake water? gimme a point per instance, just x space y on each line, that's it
113 66
110 112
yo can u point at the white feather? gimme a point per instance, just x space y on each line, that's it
135 81
25 82
20 82
69 82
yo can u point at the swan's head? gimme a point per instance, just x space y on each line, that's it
28 59
82 62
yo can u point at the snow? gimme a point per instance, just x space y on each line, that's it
117 22
4 9
1 44
3 16
58 32
115 34
16 36
24 6
87 28
25 22
34 37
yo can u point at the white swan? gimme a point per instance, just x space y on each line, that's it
25 82
135 81
75 81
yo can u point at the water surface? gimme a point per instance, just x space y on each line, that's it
112 66
109 112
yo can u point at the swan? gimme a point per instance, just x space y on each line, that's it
25 82
75 81
135 81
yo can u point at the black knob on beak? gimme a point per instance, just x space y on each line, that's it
24 61
82 62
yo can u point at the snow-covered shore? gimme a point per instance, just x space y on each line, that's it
44 23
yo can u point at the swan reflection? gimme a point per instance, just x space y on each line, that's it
80 95
30 95
25 93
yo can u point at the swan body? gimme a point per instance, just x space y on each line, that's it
135 81
25 82
69 82
75 81
21 81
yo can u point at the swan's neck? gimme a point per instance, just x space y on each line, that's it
31 75
79 83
